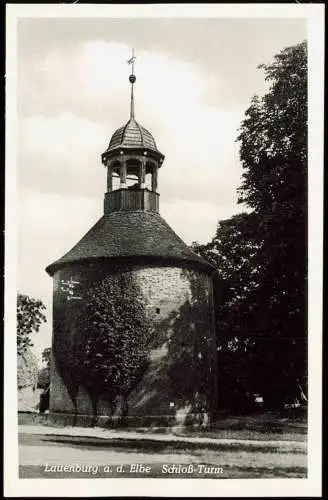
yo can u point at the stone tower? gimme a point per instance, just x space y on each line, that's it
176 290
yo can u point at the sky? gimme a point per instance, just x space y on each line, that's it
195 80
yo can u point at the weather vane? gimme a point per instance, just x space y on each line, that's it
131 61
132 80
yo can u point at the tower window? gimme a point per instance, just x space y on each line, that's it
158 310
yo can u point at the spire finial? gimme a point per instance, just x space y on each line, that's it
132 80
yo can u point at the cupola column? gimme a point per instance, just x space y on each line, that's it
123 174
142 174
109 178
154 179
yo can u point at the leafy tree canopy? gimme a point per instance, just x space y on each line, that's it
260 256
46 353
273 152
29 319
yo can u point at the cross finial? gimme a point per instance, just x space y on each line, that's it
132 80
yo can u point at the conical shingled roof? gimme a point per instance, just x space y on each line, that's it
132 135
130 234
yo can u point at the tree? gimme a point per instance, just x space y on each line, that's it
29 320
44 372
273 152
46 354
233 252
115 333
44 378
260 256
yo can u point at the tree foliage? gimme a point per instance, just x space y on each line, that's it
273 152
234 253
44 373
46 354
273 137
29 319
115 332
261 256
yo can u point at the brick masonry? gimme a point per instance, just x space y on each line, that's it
181 378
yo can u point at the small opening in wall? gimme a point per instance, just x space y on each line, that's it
158 310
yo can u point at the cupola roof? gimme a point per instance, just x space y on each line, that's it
132 135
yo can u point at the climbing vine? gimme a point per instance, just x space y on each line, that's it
113 342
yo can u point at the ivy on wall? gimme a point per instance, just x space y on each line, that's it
112 341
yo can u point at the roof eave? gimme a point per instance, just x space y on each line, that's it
199 263
129 149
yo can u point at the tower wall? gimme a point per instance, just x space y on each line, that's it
179 384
